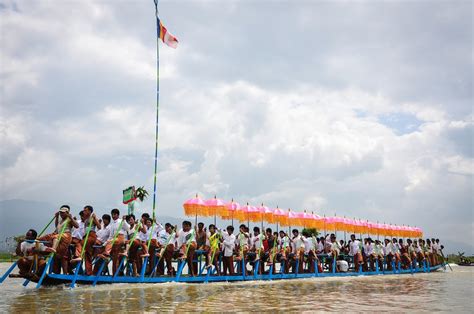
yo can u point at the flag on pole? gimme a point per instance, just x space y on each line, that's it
166 37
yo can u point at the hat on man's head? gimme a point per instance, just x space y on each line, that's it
64 209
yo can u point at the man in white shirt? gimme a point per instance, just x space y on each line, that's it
31 252
166 252
309 250
228 245
297 245
119 229
77 235
355 252
186 238
379 253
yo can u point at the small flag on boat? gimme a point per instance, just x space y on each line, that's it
166 37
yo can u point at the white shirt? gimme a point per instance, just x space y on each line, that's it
103 234
78 233
284 242
144 237
342 265
308 244
242 239
319 247
369 249
395 248
379 249
228 244
26 247
297 244
184 237
257 242
354 247
114 224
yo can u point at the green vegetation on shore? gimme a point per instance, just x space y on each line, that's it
7 257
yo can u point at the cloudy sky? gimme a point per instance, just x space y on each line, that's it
360 108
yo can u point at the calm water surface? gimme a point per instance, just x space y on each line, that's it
440 291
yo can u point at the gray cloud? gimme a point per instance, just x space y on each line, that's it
364 109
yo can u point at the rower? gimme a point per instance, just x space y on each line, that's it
63 222
355 252
31 252
187 245
90 219
119 228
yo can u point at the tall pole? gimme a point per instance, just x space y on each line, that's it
157 102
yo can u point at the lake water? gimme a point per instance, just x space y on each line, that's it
440 291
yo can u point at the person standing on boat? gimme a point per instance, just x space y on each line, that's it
228 245
201 240
256 245
102 236
297 246
90 219
77 235
31 251
379 253
242 243
369 251
309 249
284 246
166 249
355 252
119 229
64 222
212 242
186 238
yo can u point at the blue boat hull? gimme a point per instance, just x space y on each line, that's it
54 279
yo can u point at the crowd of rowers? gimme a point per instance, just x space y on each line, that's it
91 239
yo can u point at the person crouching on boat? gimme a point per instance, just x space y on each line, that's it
284 247
420 257
186 238
61 238
77 235
404 254
371 256
31 251
134 243
309 250
379 253
228 244
242 241
118 231
257 248
333 248
213 243
201 240
101 240
355 252
91 220
297 250
166 249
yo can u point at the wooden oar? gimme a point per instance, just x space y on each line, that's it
106 261
444 259
78 267
51 256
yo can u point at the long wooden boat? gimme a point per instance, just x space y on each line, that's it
51 278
